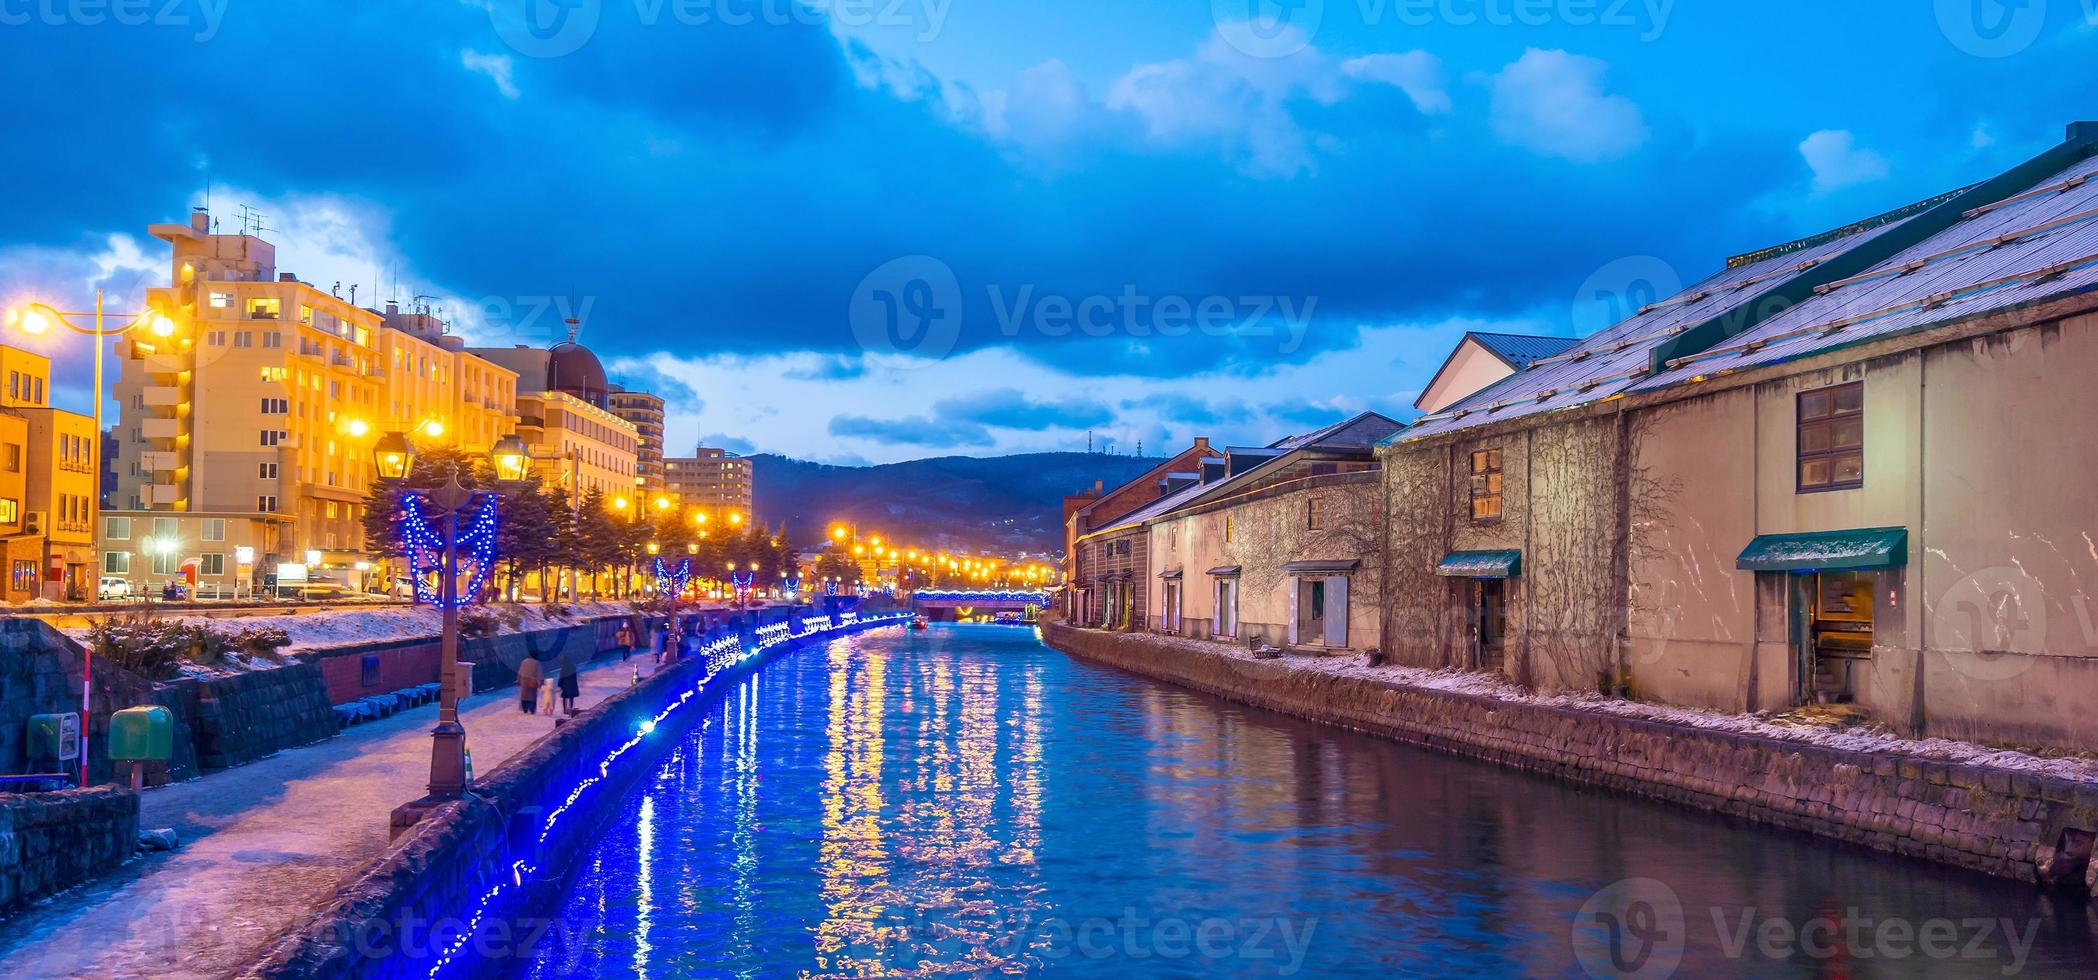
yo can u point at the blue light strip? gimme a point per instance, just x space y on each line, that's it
425 548
985 595
719 655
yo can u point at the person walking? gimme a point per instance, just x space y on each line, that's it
529 674
625 639
571 685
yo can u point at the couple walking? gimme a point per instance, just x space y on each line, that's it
537 687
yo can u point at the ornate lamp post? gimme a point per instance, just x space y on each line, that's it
394 457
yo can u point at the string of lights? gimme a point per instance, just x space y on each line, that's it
425 546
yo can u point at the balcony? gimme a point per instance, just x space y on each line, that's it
160 428
160 462
165 364
163 396
159 494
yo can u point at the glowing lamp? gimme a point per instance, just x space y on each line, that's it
393 454
510 458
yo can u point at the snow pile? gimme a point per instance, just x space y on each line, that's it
1849 739
326 628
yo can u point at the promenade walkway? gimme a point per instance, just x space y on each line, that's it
259 843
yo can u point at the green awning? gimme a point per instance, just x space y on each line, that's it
1481 564
1873 547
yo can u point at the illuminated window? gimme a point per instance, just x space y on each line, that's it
1227 528
264 308
1832 438
1486 485
10 510
305 314
220 301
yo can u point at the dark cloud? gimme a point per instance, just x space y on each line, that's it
734 444
915 430
1189 410
1008 408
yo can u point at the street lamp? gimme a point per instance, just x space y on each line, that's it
512 459
394 457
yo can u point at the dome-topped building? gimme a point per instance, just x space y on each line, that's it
572 368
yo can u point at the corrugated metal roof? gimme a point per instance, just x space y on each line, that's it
1614 360
1520 350
1992 258
1361 430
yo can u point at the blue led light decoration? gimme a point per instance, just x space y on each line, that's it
424 544
670 582
742 581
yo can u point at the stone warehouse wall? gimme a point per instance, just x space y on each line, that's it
1992 820
457 869
53 841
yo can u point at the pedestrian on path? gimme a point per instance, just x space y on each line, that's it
548 691
529 674
625 639
571 685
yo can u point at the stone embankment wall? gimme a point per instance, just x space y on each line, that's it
458 870
2003 822
53 841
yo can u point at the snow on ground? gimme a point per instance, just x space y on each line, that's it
324 628
1851 739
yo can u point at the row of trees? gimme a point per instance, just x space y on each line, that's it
583 547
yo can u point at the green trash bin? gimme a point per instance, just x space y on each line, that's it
142 734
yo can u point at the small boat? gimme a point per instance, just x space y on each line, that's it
920 623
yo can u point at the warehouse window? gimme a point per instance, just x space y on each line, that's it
1832 438
1486 485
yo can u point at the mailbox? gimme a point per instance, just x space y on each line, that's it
142 734
54 737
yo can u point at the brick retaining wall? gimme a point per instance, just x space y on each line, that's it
53 841
1997 821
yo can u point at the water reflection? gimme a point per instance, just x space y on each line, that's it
966 802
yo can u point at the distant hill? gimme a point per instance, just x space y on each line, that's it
998 503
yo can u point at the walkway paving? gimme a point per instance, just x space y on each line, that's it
259 843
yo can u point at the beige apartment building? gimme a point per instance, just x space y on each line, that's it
48 460
713 481
244 437
565 416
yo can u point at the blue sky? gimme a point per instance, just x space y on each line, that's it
880 229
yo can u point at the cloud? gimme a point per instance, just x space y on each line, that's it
1008 408
1553 103
1249 106
1417 73
496 66
915 430
1838 162
735 444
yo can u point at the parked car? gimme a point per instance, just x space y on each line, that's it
174 592
113 587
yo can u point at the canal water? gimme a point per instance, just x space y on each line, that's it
968 802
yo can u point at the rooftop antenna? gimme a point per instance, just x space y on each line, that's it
252 222
574 323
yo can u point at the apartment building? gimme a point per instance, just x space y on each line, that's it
245 432
646 412
713 481
48 461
